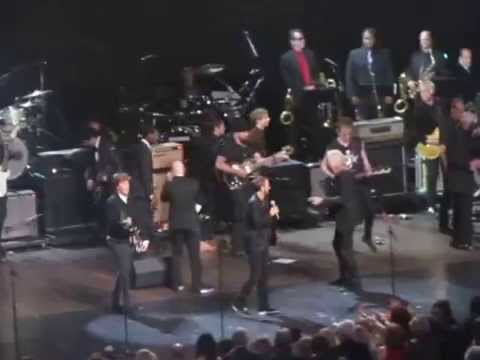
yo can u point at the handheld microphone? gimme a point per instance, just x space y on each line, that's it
273 204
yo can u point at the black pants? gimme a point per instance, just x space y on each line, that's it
191 239
343 247
364 193
142 216
123 255
462 218
240 199
367 108
3 215
258 263
433 168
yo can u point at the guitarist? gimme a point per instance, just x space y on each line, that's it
238 147
357 160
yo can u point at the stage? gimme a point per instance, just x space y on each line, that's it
63 293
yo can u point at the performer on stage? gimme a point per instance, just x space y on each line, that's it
369 78
298 66
430 114
349 211
460 163
4 174
357 159
426 62
235 150
299 69
99 176
204 151
260 212
465 74
141 170
182 193
119 224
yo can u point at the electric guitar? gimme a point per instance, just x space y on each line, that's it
4 172
251 166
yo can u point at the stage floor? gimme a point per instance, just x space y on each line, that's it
63 293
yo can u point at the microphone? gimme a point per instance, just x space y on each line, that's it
149 57
273 204
330 62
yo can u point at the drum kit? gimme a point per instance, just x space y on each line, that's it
16 122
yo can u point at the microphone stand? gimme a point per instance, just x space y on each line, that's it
13 274
374 85
220 249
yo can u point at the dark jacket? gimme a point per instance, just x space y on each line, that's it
141 171
107 163
419 61
258 225
291 73
117 211
358 79
182 193
467 82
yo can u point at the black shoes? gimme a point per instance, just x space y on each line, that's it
446 230
203 290
240 308
267 311
339 282
461 246
369 242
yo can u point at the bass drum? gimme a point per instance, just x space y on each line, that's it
17 157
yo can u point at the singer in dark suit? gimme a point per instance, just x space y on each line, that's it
369 78
259 226
141 170
426 59
183 195
118 224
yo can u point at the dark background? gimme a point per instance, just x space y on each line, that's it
93 46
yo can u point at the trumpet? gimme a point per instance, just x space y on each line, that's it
287 117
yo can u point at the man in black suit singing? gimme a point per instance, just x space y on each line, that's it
183 195
369 78
260 212
119 224
141 170
426 62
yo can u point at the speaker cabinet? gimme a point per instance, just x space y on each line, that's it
392 155
22 217
149 271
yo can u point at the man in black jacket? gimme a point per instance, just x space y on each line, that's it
141 170
369 78
99 175
465 74
426 61
182 193
349 211
258 233
119 223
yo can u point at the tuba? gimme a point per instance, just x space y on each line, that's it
401 104
287 117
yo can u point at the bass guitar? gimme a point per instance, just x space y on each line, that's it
252 165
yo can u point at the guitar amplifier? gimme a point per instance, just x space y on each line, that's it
380 130
392 155
22 217
163 155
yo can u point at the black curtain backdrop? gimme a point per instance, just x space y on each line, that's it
93 46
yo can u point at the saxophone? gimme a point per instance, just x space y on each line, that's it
287 117
401 104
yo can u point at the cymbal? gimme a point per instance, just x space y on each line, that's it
210 69
37 93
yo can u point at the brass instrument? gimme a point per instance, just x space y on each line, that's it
401 104
287 117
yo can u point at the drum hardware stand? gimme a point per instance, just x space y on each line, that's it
374 85
220 248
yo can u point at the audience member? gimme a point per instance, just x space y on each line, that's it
145 354
422 344
302 349
348 347
262 348
282 344
395 347
206 348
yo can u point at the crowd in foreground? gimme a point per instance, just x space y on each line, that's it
396 335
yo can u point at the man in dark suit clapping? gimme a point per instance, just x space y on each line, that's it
182 194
